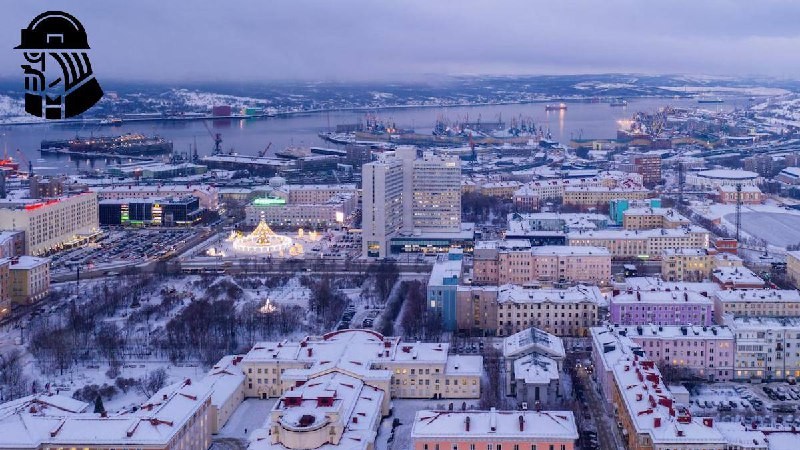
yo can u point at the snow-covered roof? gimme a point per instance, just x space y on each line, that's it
533 340
636 234
652 409
728 174
683 332
535 426
569 250
156 422
536 369
225 378
759 296
27 262
657 284
445 269
337 400
512 293
356 351
738 275
661 297
762 323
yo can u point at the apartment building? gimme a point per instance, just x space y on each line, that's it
686 264
493 429
409 194
793 268
767 348
643 244
686 351
28 279
51 224
176 417
402 370
562 312
516 262
756 303
650 218
587 196
663 307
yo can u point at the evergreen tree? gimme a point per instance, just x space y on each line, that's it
98 405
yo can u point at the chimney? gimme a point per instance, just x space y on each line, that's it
355 419
165 397
657 422
708 421
310 351
466 423
492 420
521 423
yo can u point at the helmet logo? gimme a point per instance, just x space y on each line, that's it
59 82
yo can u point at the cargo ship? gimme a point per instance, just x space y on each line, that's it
126 144
618 102
710 100
558 107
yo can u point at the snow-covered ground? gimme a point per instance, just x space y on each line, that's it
251 414
777 225
777 228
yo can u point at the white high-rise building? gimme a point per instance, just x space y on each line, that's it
404 193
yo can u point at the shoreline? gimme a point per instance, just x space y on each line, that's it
279 115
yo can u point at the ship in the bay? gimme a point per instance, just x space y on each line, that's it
710 100
127 144
618 102
558 107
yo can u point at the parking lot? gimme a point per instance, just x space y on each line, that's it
764 405
122 248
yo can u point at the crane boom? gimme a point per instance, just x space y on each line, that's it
217 137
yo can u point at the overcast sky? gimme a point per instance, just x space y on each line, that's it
349 40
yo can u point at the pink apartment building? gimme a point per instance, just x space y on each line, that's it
494 430
516 262
705 352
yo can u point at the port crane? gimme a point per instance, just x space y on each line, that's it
263 153
217 137
22 158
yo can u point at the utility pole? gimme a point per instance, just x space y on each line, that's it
77 280
681 182
738 210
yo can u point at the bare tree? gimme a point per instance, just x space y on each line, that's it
153 382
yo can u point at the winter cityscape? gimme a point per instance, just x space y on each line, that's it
384 251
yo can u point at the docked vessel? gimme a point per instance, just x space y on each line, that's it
710 100
293 153
558 107
126 144
113 121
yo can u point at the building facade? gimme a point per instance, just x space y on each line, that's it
756 303
562 312
663 307
51 224
403 193
29 279
496 430
641 244
421 370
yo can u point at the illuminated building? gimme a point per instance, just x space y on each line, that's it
413 196
156 212
51 224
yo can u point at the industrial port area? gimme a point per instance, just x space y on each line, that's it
262 238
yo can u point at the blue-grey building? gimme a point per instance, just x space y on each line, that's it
442 287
